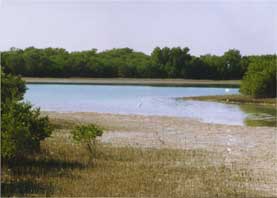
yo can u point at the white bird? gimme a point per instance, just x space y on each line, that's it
227 90
139 104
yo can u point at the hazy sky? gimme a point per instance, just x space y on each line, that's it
204 26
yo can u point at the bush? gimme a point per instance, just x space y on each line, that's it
12 87
260 79
22 127
87 135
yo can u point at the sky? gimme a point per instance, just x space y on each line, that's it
205 26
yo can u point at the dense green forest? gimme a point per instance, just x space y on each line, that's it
162 63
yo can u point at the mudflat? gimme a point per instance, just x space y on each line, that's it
250 148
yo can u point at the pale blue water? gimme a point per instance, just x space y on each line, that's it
142 100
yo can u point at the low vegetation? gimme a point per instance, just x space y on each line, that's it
86 135
237 99
63 168
266 115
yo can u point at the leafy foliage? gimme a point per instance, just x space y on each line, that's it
164 62
260 79
22 127
12 87
87 135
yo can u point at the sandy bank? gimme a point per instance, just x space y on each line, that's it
132 81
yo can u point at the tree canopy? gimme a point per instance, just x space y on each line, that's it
163 62
260 78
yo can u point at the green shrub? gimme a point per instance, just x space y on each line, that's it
22 127
12 87
260 79
87 134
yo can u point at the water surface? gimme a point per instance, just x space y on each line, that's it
141 100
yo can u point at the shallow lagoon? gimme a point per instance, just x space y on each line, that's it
147 100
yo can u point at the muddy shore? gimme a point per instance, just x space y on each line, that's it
252 148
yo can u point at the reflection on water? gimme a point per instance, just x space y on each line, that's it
141 100
259 115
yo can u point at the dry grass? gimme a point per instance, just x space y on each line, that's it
63 169
239 99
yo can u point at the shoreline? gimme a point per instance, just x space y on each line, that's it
132 81
80 117
234 99
140 116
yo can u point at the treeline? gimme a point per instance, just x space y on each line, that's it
162 63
